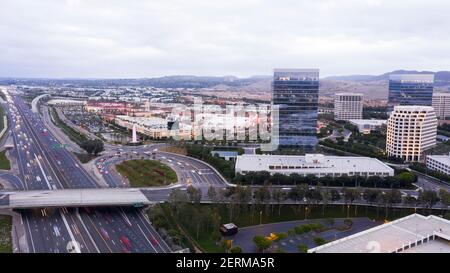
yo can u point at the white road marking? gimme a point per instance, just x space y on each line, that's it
76 246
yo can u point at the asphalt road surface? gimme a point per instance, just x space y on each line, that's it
44 164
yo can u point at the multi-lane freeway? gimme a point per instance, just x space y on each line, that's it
44 165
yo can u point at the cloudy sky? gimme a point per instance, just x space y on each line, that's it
96 38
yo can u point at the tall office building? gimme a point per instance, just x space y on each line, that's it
295 94
410 89
441 105
410 131
348 106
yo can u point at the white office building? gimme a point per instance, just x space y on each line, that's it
410 131
440 163
441 105
411 234
348 106
312 164
365 126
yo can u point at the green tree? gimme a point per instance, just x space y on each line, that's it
335 196
212 194
319 241
302 248
194 194
262 195
236 249
429 198
445 197
279 196
406 178
262 243
92 146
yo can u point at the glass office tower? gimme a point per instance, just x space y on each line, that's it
410 89
295 94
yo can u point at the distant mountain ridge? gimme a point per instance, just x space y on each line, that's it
440 77
257 82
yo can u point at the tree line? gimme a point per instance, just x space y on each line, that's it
403 179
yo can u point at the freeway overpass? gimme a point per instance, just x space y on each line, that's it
74 198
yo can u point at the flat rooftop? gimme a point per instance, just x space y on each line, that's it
432 232
311 163
444 159
368 121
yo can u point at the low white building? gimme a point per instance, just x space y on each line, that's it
152 126
365 126
66 102
411 234
440 163
313 164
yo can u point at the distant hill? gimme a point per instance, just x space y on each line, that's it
183 81
351 78
440 77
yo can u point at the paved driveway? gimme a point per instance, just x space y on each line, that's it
244 238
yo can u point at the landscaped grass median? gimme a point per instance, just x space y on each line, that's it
4 161
5 234
147 173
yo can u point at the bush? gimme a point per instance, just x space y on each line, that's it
348 222
302 248
281 235
319 241
317 227
302 229
236 249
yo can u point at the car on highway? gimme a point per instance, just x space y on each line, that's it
104 233
125 241
153 241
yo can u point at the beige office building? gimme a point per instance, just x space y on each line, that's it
348 106
441 105
410 131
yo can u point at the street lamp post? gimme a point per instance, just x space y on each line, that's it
306 213
260 217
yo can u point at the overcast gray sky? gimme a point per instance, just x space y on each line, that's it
96 38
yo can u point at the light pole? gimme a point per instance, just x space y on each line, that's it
306 213
348 208
260 217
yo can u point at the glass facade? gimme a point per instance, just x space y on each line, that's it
411 89
295 94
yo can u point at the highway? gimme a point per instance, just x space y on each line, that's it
44 165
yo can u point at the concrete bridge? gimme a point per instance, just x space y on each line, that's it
75 198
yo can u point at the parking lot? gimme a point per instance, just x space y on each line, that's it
244 238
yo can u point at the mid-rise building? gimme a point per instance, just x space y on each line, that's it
295 95
440 163
313 164
441 105
348 106
410 131
410 89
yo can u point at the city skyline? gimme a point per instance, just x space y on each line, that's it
108 39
